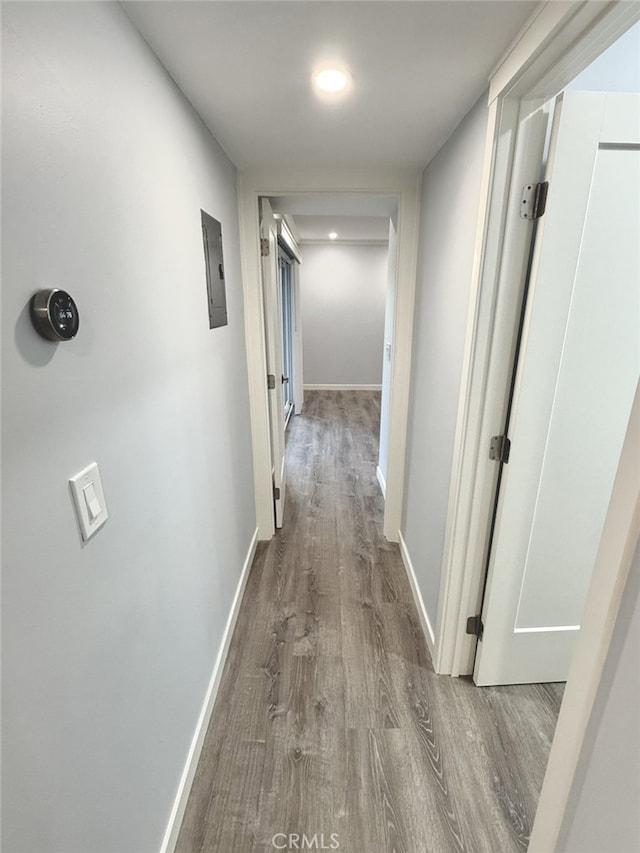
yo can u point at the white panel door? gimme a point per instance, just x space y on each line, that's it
577 375
273 330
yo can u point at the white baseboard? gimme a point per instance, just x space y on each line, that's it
415 589
184 788
382 481
343 387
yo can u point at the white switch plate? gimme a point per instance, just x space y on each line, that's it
90 520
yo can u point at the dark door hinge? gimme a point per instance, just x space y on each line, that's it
500 448
264 247
475 626
534 200
271 381
276 493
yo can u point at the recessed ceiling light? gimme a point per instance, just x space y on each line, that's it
331 81
333 235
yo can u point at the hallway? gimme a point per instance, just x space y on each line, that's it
329 719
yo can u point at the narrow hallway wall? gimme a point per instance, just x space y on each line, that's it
343 291
389 318
449 217
108 647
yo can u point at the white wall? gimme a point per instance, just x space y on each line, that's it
450 199
602 812
343 289
389 316
108 647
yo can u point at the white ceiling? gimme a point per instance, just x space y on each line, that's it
336 204
348 228
417 67
355 216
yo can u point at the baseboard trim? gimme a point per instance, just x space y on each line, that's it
186 780
415 589
382 482
343 387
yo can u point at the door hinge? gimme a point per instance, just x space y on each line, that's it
276 493
264 247
271 381
500 448
534 200
475 626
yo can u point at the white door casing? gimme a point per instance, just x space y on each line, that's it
298 368
273 351
288 237
577 376
286 309
401 185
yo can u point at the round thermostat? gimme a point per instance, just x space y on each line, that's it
55 315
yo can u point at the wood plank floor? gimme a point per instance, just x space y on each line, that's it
329 718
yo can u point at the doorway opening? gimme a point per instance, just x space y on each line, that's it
519 115
378 195
336 288
285 288
546 141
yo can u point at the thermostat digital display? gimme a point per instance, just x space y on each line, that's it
55 315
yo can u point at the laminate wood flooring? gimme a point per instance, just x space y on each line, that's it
329 718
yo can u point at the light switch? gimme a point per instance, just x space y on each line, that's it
93 504
88 497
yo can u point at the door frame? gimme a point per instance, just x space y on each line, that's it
555 46
558 43
285 261
272 319
404 186
298 363
290 240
